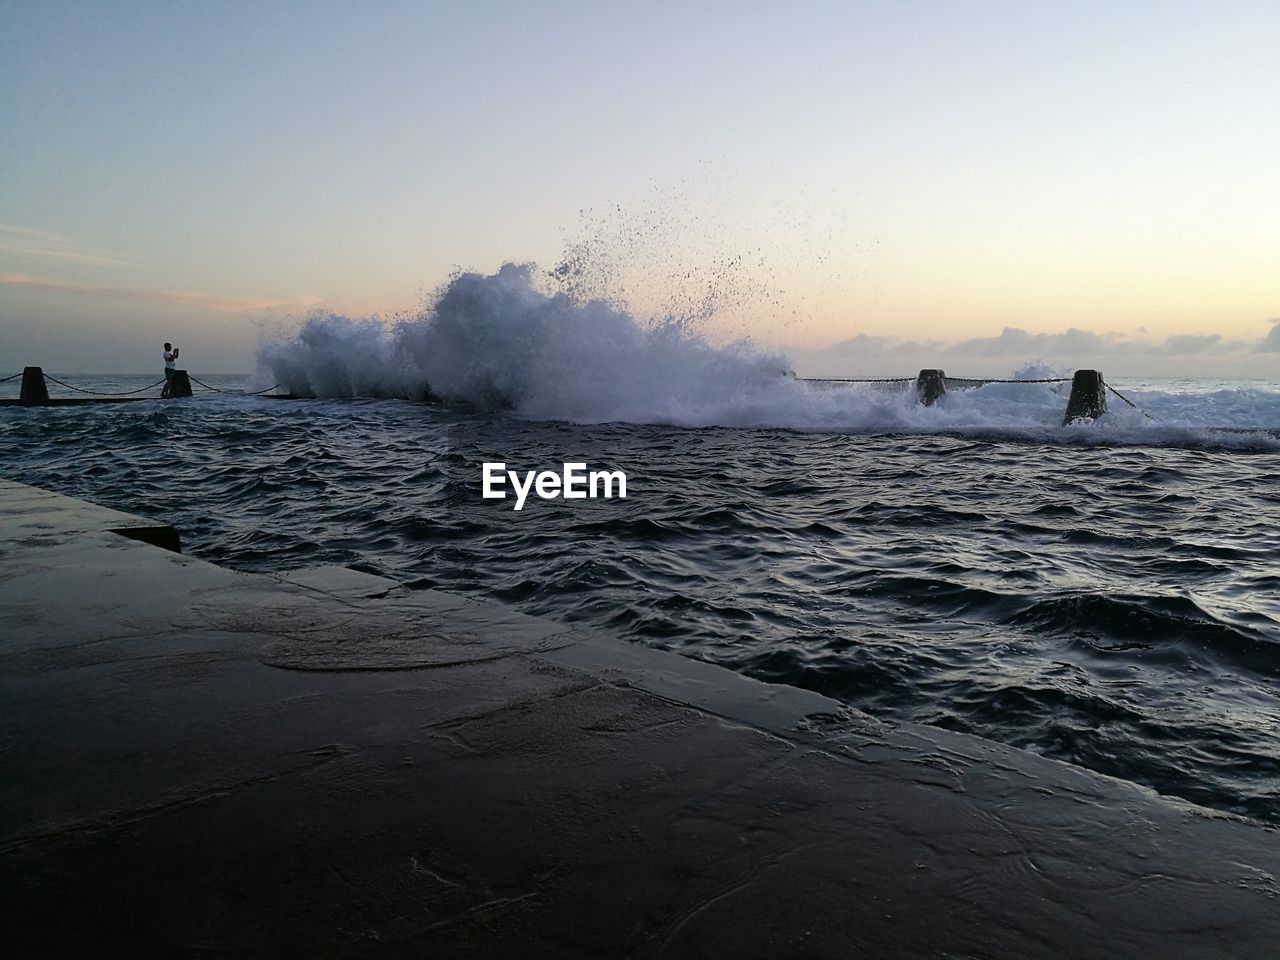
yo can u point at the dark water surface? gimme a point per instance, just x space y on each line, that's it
1114 606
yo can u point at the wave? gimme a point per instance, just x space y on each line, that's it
496 342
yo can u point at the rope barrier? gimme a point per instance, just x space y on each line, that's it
1043 380
948 379
99 393
207 387
150 386
275 386
238 393
850 380
1129 402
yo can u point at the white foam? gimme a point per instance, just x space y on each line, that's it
497 342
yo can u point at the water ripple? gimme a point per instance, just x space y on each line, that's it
1113 606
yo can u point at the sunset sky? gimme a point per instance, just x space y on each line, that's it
984 183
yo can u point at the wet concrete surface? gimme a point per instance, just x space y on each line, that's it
198 762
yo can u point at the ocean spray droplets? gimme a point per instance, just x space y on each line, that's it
500 343
644 318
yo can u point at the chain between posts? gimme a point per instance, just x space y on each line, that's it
970 380
1128 401
236 393
99 393
910 379
852 380
150 386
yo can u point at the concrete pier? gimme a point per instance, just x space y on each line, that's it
195 761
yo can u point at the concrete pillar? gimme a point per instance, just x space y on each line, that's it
180 385
34 389
1088 399
930 386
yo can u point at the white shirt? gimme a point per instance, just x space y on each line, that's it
170 360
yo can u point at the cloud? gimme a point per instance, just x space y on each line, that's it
865 346
31 234
1202 344
1189 343
1014 341
179 298
28 243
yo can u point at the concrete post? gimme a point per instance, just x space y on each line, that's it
34 389
180 385
931 385
1088 399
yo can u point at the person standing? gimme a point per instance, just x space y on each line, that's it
170 365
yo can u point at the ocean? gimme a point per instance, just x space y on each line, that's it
1107 594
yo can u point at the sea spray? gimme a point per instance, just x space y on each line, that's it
499 343
336 356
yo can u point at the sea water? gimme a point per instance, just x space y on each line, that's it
1107 593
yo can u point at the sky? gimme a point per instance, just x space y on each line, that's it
876 186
